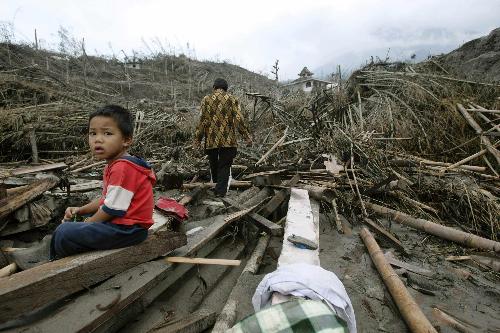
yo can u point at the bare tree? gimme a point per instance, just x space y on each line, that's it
275 70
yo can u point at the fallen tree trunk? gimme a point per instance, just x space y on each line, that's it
411 312
438 230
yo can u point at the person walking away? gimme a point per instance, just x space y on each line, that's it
219 120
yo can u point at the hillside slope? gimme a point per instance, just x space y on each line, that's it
478 59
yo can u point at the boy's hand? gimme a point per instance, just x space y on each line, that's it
70 212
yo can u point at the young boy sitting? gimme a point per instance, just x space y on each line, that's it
122 215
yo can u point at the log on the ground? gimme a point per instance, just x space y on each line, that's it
33 288
11 203
438 230
411 312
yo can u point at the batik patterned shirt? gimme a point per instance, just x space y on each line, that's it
219 120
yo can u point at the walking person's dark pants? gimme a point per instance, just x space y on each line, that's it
220 160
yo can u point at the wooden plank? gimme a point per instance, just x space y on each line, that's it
11 203
140 286
195 322
203 261
227 316
260 221
278 198
33 288
233 184
83 187
37 168
300 221
264 173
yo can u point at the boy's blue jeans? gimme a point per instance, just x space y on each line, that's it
76 237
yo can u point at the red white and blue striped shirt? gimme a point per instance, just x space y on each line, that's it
128 191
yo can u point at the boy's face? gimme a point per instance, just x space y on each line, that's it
106 140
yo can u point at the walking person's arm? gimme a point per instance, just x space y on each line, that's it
202 125
240 122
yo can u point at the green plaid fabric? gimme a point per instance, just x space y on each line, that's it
297 316
220 117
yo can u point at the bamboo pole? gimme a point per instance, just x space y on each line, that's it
479 131
411 312
438 230
276 145
465 160
88 166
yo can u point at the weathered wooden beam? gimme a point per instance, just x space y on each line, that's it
227 316
11 203
260 221
37 168
233 184
203 261
278 198
33 288
302 220
138 287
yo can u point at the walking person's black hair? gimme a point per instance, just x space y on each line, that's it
220 83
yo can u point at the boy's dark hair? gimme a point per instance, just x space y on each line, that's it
122 116
220 83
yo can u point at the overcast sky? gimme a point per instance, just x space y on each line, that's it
253 34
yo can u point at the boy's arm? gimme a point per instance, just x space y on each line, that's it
99 216
89 208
